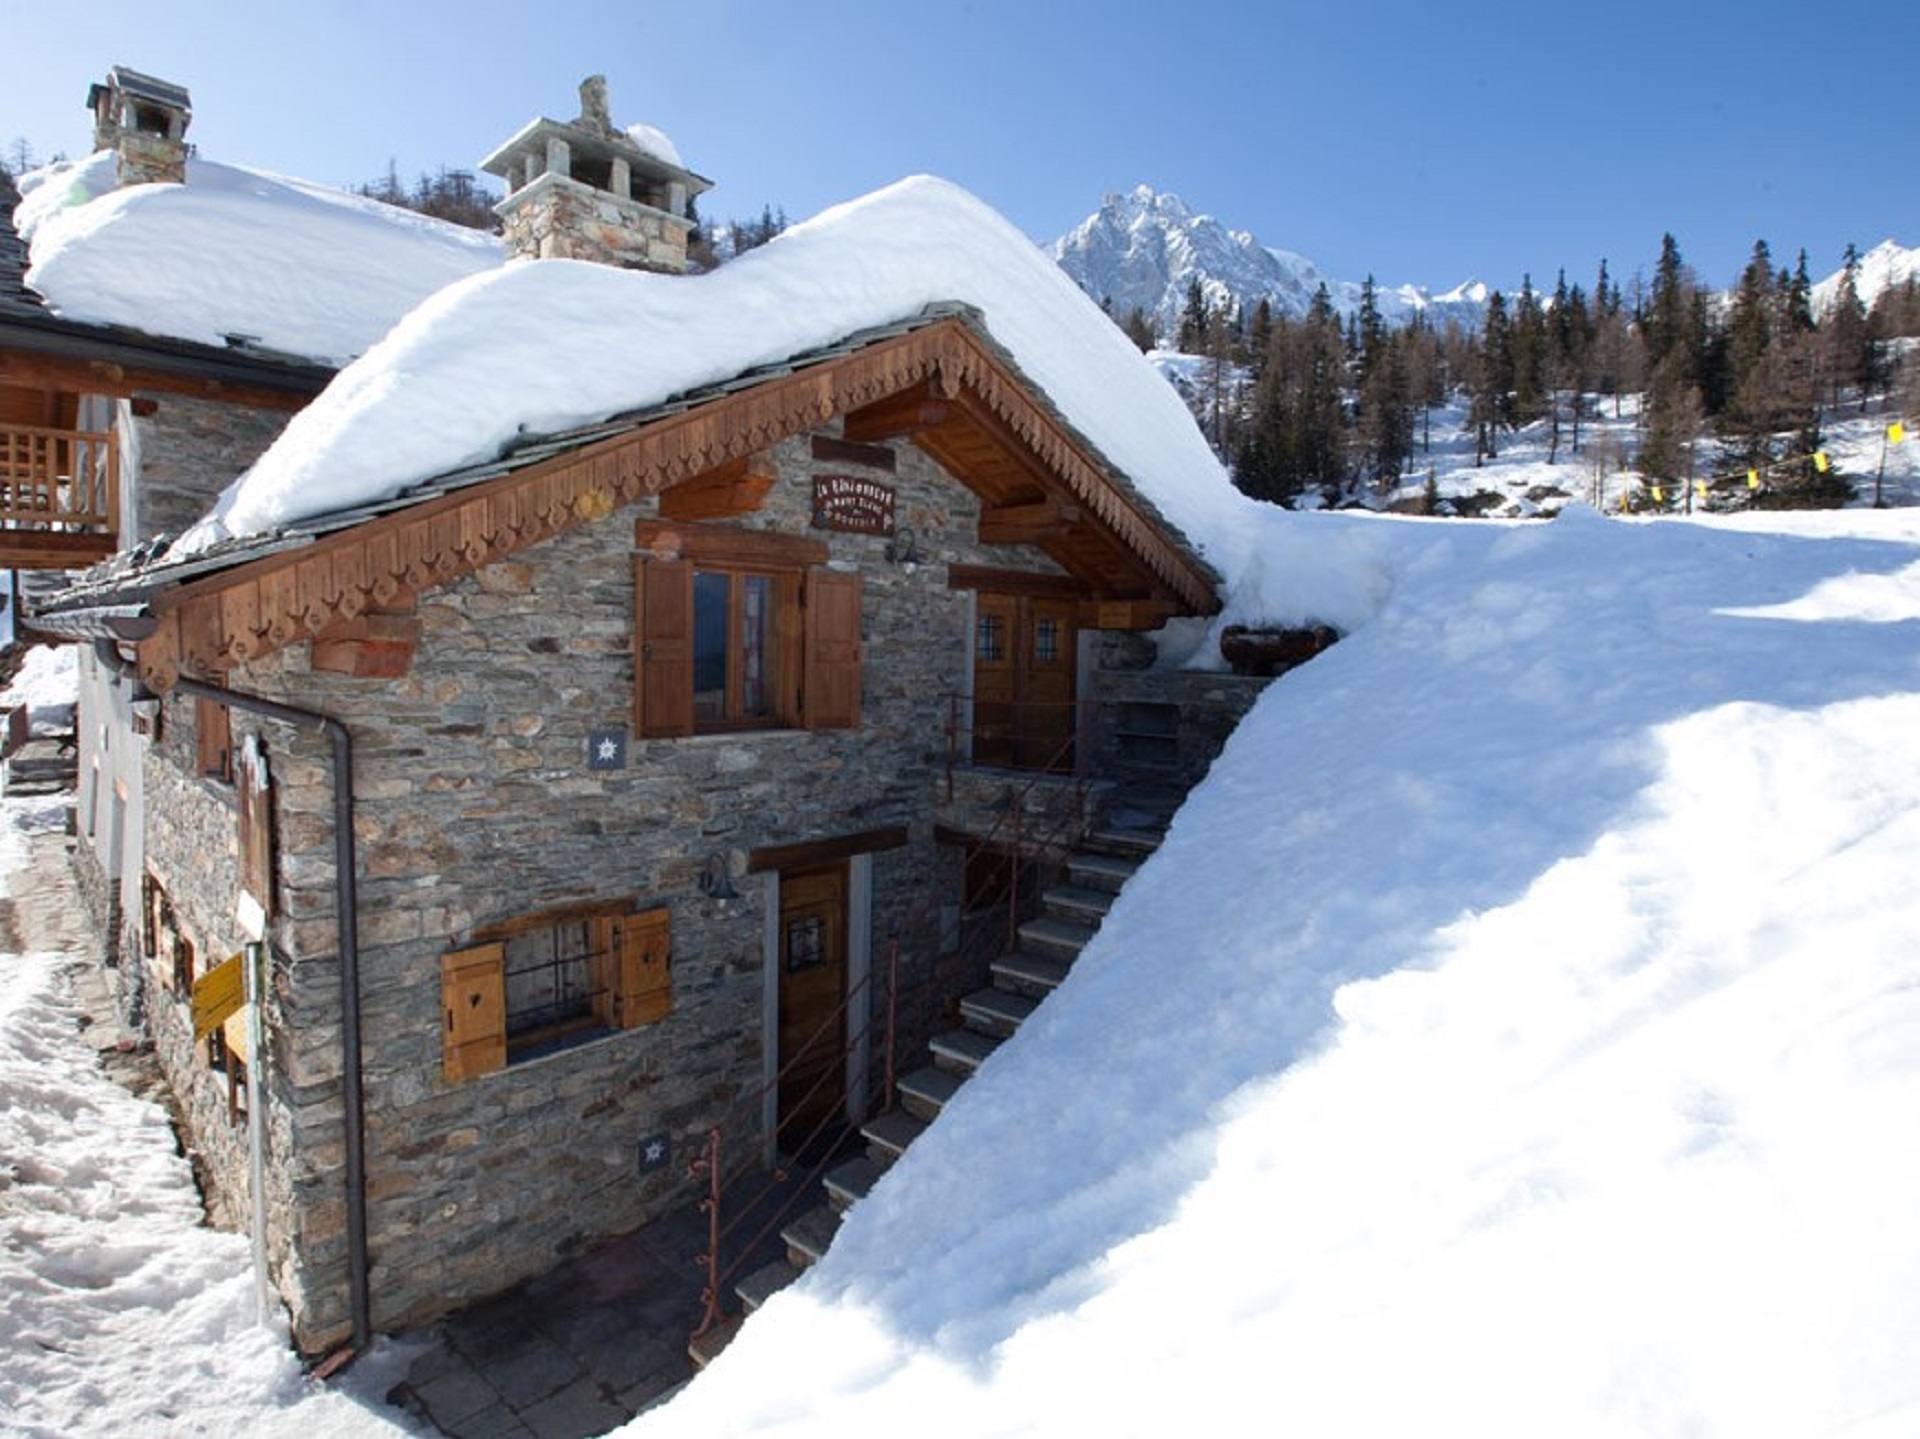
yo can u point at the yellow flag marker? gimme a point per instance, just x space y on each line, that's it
1659 495
1821 462
1896 432
1753 479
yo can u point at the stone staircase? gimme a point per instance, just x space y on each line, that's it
1021 978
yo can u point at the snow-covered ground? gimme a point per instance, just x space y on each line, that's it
1518 1033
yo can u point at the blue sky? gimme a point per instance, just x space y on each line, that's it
1423 142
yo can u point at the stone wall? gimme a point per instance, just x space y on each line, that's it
475 803
190 450
1165 726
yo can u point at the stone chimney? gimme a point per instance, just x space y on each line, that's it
583 189
144 122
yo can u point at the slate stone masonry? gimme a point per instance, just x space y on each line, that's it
475 802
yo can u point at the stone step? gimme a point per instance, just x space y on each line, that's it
1062 938
962 1051
848 1181
1026 972
703 1349
1077 902
809 1233
889 1134
996 1012
1131 842
1101 871
765 1282
925 1092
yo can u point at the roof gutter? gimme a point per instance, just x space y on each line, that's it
346 903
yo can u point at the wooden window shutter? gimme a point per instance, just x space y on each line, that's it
256 823
662 648
640 987
830 696
213 738
473 994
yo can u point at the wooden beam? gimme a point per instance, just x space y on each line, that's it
845 452
53 549
920 407
728 545
825 851
735 488
380 644
1027 524
1123 614
1014 582
100 377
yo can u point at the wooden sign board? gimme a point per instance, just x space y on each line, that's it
852 503
218 995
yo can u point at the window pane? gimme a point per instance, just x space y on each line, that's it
1046 641
548 978
987 640
711 603
757 605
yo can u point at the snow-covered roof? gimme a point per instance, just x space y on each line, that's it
235 257
541 347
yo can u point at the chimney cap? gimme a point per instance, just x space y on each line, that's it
142 87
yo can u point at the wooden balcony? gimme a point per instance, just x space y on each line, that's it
59 497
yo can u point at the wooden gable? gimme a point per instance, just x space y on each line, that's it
941 383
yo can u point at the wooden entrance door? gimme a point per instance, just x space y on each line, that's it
1024 649
813 992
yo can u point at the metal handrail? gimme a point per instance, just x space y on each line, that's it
744 1114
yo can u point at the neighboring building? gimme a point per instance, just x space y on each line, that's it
111 436
581 793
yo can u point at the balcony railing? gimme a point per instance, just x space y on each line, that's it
59 496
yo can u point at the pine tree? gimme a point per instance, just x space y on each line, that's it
1491 401
1849 341
1529 346
1295 437
1195 318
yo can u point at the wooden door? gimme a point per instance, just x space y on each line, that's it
813 992
996 627
1024 652
1045 659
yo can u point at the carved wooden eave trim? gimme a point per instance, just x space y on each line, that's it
980 372
209 625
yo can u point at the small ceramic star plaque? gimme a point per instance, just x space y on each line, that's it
607 748
654 1152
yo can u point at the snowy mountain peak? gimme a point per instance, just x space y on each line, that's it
1887 266
1145 248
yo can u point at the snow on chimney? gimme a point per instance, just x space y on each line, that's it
144 122
584 189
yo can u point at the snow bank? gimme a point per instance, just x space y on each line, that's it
1518 1033
48 685
296 267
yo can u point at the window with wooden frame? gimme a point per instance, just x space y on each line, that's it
213 739
543 982
740 629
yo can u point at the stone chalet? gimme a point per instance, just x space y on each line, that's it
634 787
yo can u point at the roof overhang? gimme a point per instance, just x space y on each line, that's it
939 380
105 360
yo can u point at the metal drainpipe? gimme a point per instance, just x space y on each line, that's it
346 902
